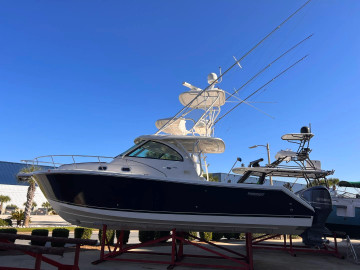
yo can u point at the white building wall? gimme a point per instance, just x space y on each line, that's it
18 193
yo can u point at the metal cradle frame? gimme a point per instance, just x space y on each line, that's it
178 239
258 243
39 257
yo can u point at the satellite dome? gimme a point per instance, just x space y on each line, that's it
212 77
305 130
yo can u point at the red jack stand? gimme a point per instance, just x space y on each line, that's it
177 252
258 243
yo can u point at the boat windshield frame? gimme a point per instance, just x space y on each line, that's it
139 145
130 149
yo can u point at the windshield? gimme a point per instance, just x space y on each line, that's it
130 149
155 150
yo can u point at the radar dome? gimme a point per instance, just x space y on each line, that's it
305 130
212 77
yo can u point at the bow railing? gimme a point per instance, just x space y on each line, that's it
58 160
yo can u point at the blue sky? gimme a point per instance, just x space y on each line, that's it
87 77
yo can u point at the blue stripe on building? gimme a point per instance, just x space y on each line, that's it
9 170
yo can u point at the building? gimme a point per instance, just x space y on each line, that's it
17 191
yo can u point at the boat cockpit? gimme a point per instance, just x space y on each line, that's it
174 156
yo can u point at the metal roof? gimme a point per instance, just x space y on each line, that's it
8 171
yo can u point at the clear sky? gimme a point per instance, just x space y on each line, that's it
87 77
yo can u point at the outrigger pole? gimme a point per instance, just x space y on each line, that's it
266 67
236 63
260 72
257 90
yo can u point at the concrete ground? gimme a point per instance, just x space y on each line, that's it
263 259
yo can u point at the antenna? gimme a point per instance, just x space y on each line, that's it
219 81
188 85
226 71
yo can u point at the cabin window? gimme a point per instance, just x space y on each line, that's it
156 150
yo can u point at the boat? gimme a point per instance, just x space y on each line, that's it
345 216
298 165
159 183
162 182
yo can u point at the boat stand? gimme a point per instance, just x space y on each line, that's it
178 239
258 243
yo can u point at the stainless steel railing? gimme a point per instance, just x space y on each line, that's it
52 160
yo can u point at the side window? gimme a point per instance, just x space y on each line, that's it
156 150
